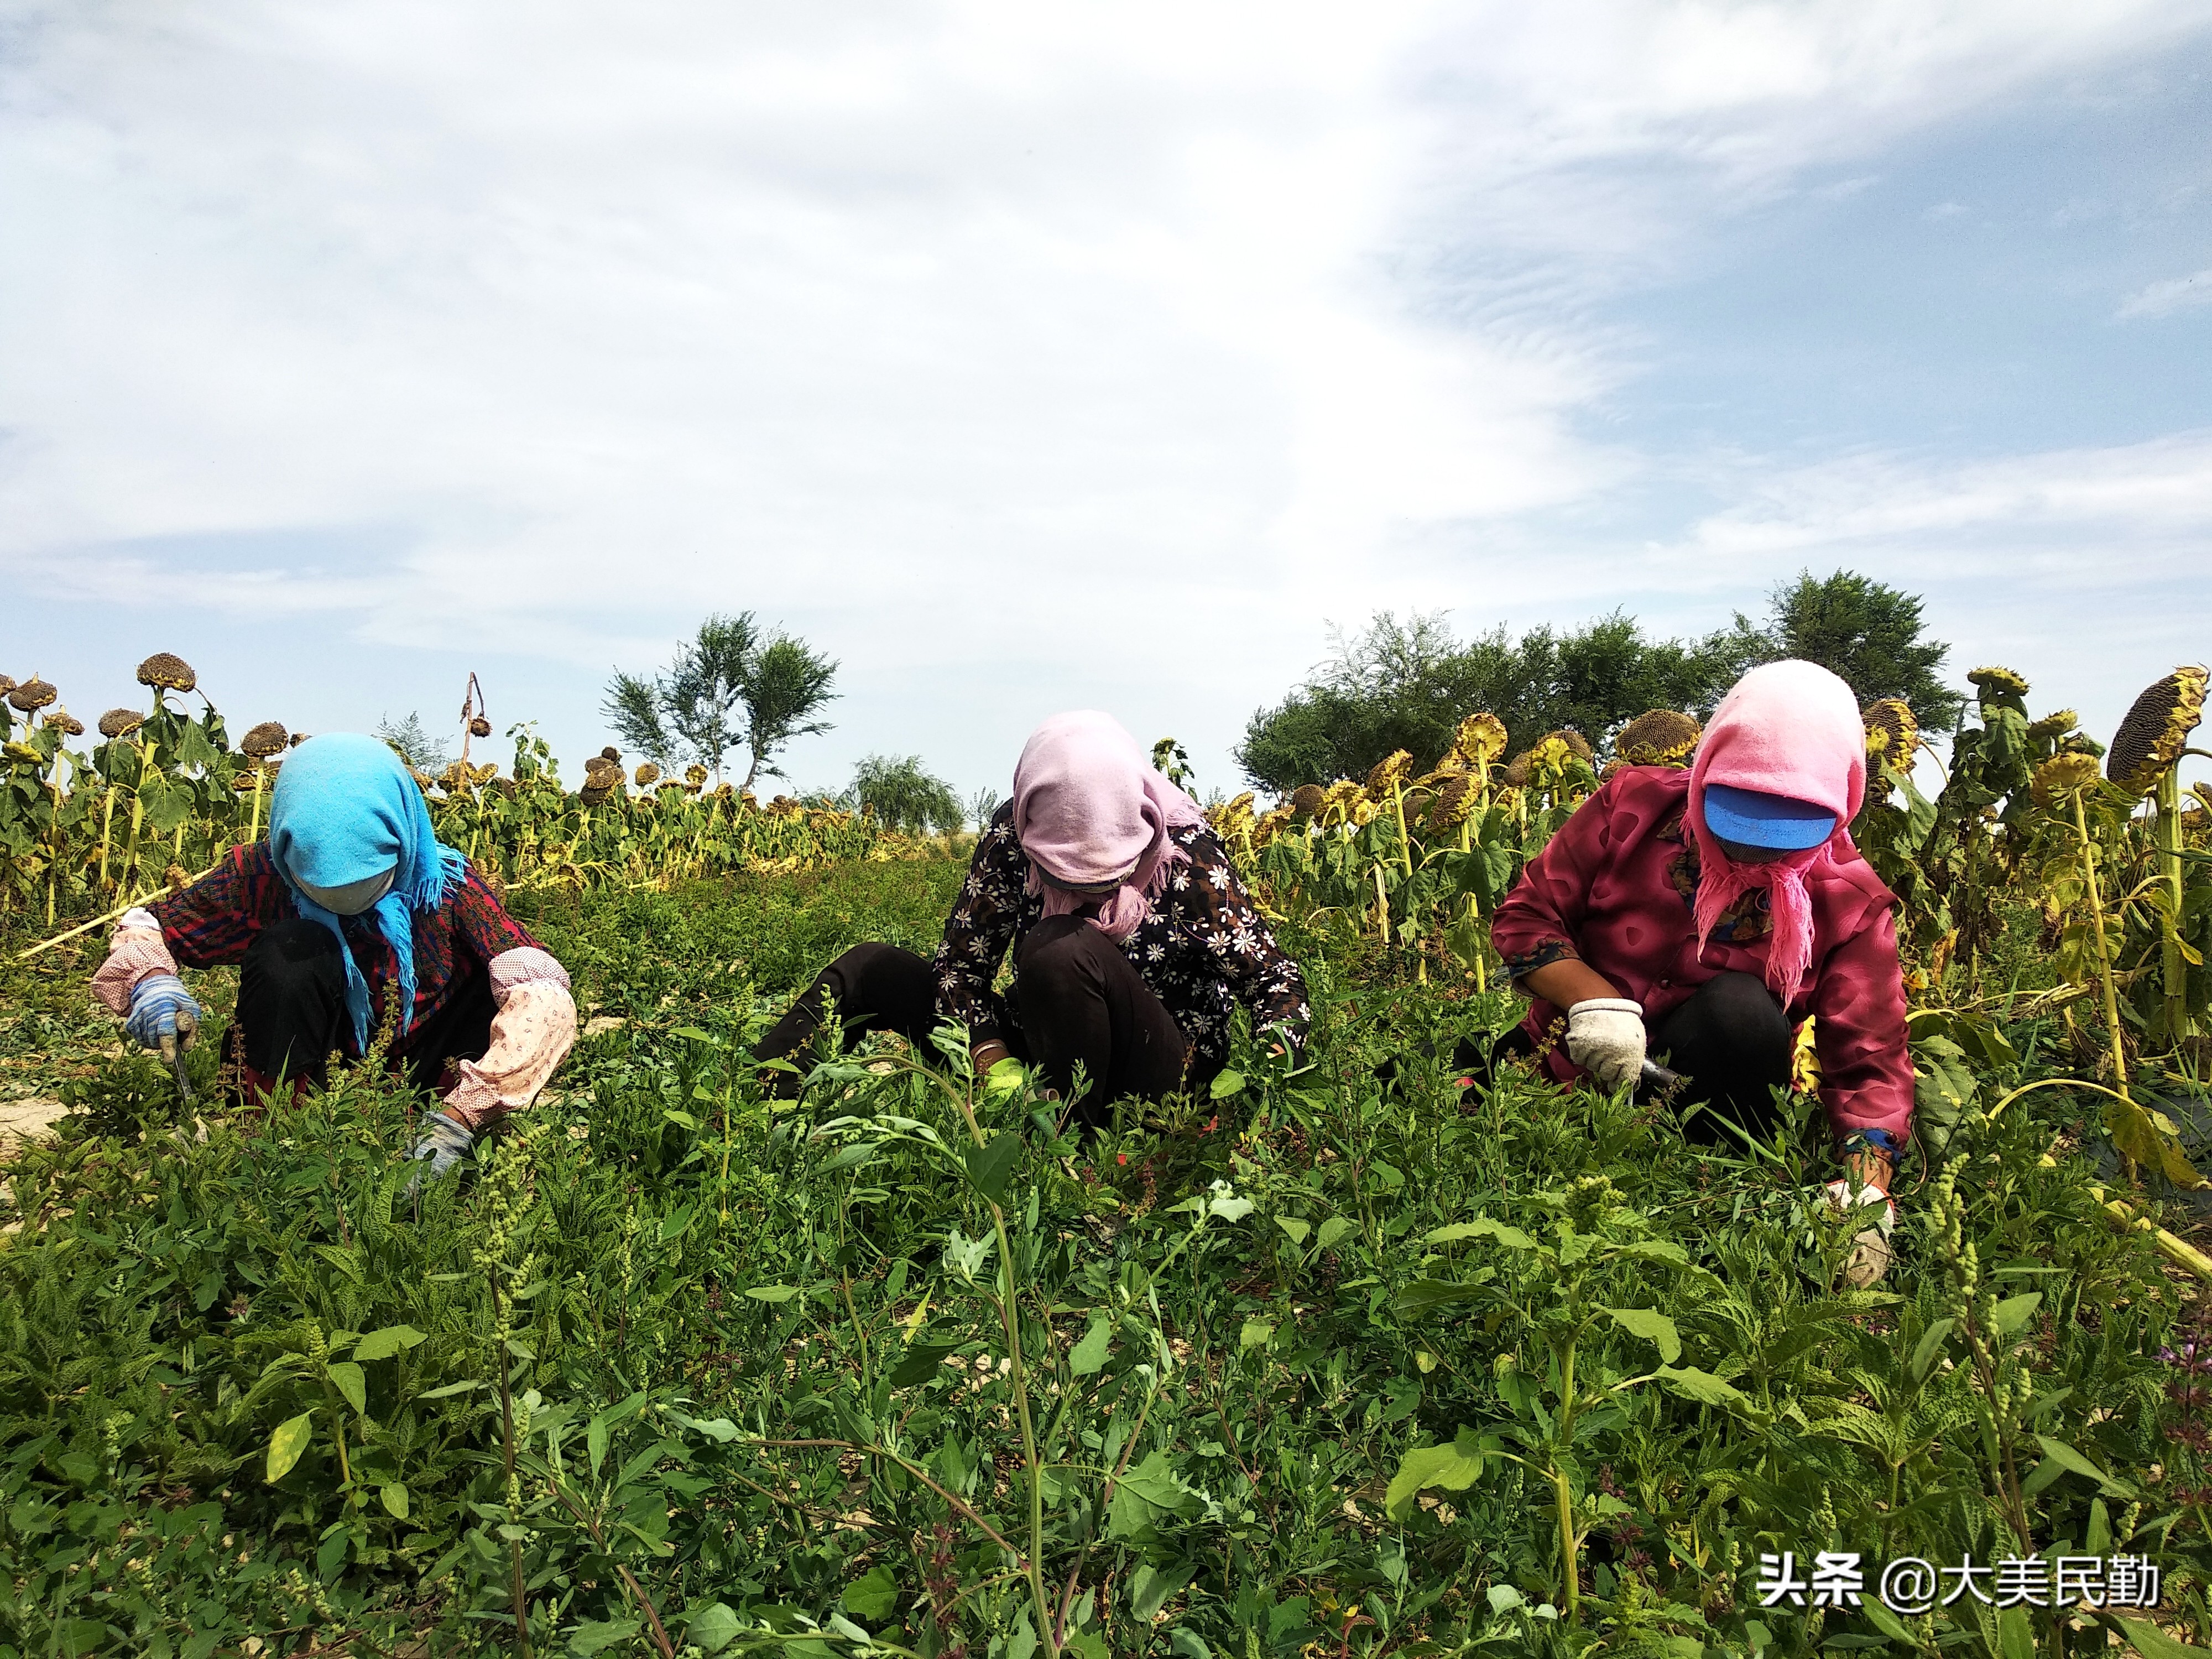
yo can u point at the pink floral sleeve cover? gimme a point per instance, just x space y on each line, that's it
1613 888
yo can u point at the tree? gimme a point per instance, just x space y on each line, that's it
731 686
1869 636
414 745
983 806
904 795
1406 685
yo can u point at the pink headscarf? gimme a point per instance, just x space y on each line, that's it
1092 813
1787 728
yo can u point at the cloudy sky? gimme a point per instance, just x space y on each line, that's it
1026 357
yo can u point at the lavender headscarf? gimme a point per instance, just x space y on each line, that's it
1093 817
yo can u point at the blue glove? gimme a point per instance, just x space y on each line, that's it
443 1142
161 1008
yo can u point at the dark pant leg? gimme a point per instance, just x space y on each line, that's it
1734 1043
459 1028
1082 1001
291 1000
874 988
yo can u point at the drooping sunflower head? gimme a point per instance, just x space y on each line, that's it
424 780
646 774
1893 734
1519 769
1659 737
168 671
120 723
2062 775
2155 730
2052 727
1454 803
593 793
31 695
1479 740
694 775
612 753
1309 798
479 727
1387 773
456 778
1993 681
68 723
263 740
1575 741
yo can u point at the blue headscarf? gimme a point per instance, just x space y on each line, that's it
345 809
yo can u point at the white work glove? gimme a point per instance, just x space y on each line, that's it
444 1143
1870 1250
1604 1038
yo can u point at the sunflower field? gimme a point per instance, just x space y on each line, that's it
1352 1356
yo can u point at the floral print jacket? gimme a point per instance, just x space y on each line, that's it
1614 888
1203 947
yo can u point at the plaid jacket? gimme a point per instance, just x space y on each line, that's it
212 921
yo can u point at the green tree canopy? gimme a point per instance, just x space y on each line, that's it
1407 684
733 685
904 794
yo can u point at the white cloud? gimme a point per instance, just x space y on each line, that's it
999 346
2163 299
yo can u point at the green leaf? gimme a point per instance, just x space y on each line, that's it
2015 1636
449 1390
1089 1355
1151 1588
1332 1230
595 1441
1257 1334
592 1637
1184 1643
773 1293
2148 1639
692 1032
1929 1348
1511 1237
382 1345
1652 1325
1655 1249
1298 1232
347 1378
1023 1642
1226 1084
2016 1311
1425 1295
681 1119
286 1444
1148 1494
712 1628
1702 1386
395 1498
873 1596
990 1167
673 1224
2075 1463
1453 1467
921 1362
1887 1622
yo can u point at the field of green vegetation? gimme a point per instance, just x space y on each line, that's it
1346 1359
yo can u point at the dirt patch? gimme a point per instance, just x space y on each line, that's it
24 1120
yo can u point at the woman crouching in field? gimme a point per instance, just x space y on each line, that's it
352 914
1704 915
1130 933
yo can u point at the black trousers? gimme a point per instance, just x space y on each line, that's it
1731 1042
1079 1002
292 1013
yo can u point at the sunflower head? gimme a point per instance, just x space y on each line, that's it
31 695
1479 740
646 774
263 740
1309 798
612 753
2061 776
1387 775
1893 734
479 727
2155 730
168 671
694 775
593 793
1573 741
2052 727
1659 737
1454 803
1993 681
66 723
1518 770
120 723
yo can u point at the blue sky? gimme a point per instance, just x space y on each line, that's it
1027 360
